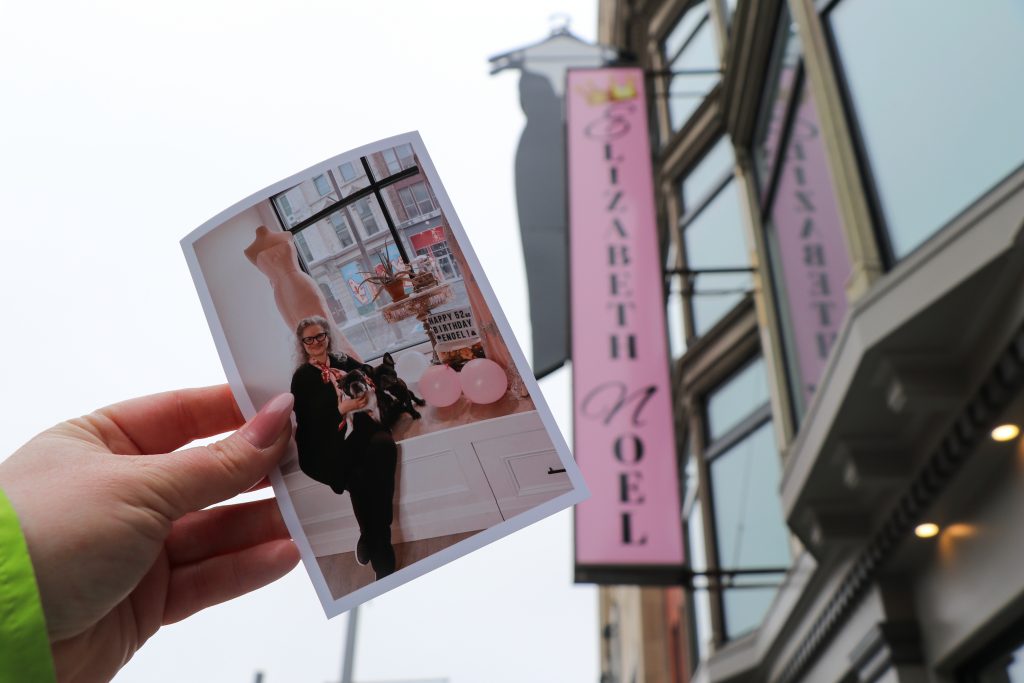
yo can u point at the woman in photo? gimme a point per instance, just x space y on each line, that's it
341 445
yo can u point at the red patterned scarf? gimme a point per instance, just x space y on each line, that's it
327 373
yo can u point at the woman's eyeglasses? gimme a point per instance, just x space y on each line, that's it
314 339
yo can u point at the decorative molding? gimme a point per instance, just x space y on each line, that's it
1004 381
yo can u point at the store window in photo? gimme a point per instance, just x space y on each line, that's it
433 245
350 250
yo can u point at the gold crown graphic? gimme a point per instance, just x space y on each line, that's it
614 92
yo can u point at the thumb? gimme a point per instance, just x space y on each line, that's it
198 477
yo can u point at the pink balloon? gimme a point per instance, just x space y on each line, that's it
439 385
483 380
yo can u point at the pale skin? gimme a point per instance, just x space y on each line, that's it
316 352
116 527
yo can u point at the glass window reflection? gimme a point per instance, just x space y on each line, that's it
934 102
749 524
714 239
341 242
772 123
717 165
737 398
690 47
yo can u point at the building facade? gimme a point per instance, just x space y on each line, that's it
840 195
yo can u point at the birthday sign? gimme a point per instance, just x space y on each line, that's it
453 325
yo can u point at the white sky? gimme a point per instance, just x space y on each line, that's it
125 125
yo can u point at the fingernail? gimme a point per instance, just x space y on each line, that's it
262 430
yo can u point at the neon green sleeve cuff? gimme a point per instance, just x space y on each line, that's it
24 644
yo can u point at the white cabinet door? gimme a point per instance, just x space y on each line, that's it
455 481
522 468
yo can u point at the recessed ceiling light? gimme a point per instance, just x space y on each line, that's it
1005 432
926 530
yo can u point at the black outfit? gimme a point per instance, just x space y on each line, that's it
363 464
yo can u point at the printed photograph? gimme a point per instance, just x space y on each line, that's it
420 433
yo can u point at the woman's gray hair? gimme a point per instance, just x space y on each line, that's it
301 355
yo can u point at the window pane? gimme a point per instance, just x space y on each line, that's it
422 196
321 184
737 398
714 295
933 94
682 31
772 120
304 250
391 159
304 200
714 239
367 217
708 174
750 529
745 608
686 92
408 202
341 229
352 178
406 159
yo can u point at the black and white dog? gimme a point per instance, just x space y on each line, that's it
356 384
389 395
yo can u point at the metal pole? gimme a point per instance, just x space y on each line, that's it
348 663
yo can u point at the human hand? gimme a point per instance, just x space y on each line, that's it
347 405
118 537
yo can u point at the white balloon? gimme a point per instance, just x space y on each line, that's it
411 365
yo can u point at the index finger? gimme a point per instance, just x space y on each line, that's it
164 422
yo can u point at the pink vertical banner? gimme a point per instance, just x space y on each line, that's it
630 529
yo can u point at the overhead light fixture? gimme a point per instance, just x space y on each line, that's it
1006 432
926 530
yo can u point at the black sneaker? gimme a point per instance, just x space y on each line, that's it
362 551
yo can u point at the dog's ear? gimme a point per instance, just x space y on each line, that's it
368 370
388 360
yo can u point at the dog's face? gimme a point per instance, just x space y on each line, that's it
355 383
